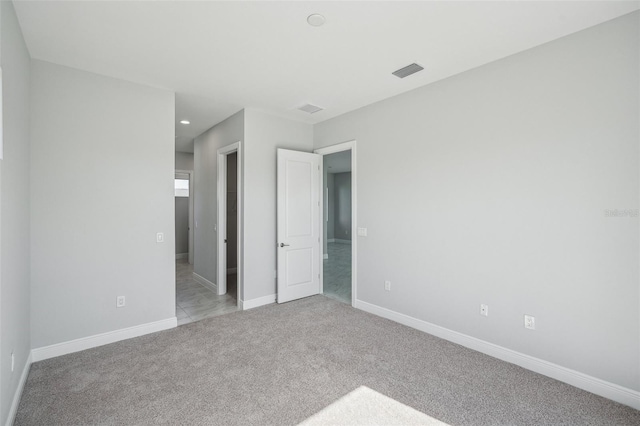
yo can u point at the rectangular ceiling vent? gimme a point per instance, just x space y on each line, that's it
407 71
310 108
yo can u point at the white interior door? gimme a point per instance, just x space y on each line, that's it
298 225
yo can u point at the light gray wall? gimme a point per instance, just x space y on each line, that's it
14 208
184 161
206 148
491 187
265 133
342 206
182 224
331 211
232 211
102 170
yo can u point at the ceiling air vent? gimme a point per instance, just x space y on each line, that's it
408 70
310 108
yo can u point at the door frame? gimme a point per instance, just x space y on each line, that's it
221 223
332 149
191 217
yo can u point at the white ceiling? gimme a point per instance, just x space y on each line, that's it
220 57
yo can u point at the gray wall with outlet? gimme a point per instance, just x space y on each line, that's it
15 320
492 187
102 156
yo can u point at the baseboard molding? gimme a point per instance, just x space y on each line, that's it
52 351
325 256
338 241
232 271
205 282
182 256
260 301
575 378
13 410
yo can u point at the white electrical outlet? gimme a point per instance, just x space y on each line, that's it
120 302
160 237
387 285
13 362
484 310
529 322
362 232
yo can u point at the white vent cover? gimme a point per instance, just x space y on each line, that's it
310 108
407 71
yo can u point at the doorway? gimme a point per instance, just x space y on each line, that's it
301 224
184 215
229 224
337 231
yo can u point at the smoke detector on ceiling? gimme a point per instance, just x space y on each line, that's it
311 109
407 71
316 20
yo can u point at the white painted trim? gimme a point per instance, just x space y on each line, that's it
205 282
325 256
260 301
221 224
16 397
182 256
345 146
232 271
575 378
338 241
94 341
331 240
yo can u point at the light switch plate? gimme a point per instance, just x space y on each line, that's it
362 232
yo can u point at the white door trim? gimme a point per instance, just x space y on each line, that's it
345 146
191 209
221 224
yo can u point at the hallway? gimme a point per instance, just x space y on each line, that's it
195 301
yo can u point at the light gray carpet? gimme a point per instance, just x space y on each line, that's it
281 364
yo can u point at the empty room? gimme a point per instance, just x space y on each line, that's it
320 213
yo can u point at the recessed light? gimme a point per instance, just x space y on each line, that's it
185 122
316 20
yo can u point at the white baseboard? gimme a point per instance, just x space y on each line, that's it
325 256
260 301
89 342
205 282
13 410
339 241
182 256
591 384
232 271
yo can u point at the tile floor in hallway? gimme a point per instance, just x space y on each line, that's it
337 272
195 301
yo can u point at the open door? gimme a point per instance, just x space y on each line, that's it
298 225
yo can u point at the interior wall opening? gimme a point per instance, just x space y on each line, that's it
337 247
